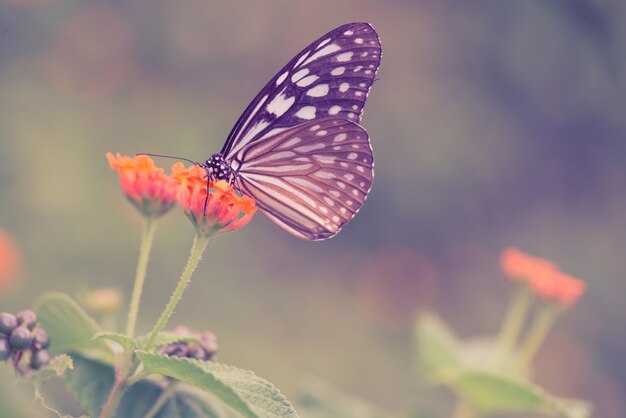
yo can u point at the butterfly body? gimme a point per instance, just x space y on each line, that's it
298 149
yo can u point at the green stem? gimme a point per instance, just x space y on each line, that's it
514 319
163 397
147 237
199 244
464 410
538 333
108 410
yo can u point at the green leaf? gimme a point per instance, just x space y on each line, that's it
56 368
165 338
437 347
69 327
492 393
91 381
318 399
128 344
240 389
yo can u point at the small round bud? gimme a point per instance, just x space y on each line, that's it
27 318
40 339
197 352
8 322
39 358
20 338
5 349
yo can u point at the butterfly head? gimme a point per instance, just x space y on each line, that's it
218 168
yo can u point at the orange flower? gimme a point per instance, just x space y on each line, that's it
559 287
543 276
518 265
223 211
145 185
10 261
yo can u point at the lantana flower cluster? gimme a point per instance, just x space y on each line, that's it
22 342
211 206
205 350
544 277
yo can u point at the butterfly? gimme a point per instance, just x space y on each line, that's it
298 148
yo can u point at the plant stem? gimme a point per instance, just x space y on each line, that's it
108 410
147 237
464 410
199 244
537 333
514 318
160 402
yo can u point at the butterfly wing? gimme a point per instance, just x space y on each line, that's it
330 77
310 179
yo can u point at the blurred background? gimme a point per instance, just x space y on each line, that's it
493 124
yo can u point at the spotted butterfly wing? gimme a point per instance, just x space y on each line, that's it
297 149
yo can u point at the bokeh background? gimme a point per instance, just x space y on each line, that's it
493 124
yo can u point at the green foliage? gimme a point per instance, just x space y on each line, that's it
91 381
56 368
128 344
482 376
318 399
492 393
69 327
242 390
438 351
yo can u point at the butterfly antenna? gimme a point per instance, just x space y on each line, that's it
169 156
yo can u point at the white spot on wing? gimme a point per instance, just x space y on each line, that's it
298 75
352 156
325 159
311 147
346 56
349 32
305 183
306 112
324 42
291 142
320 90
338 70
302 58
321 133
334 110
324 174
358 41
340 137
328 49
282 78
307 81
343 87
280 104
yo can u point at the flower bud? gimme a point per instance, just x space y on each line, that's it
8 322
40 339
39 359
27 318
20 338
